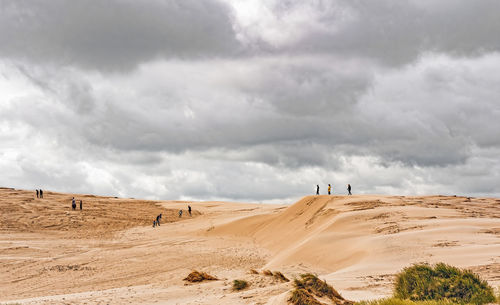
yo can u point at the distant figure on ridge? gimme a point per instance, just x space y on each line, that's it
349 189
317 189
189 210
180 213
158 220
329 189
36 193
73 203
41 193
81 205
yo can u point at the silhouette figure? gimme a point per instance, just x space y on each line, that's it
349 189
41 193
317 189
80 205
329 189
189 210
73 203
37 193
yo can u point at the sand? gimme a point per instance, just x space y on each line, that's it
109 253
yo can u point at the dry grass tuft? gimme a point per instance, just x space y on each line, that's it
278 275
303 297
239 284
267 272
314 286
197 276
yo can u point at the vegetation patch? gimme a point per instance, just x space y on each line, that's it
278 275
303 297
197 276
239 284
396 301
442 282
267 272
309 286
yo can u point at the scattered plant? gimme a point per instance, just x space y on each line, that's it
278 275
197 276
239 284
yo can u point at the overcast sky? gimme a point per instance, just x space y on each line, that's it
250 100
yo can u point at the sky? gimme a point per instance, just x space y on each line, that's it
250 100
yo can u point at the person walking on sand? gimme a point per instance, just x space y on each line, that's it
189 210
41 193
329 189
317 189
81 205
36 193
349 189
180 213
158 220
73 203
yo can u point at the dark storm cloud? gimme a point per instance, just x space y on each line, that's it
113 35
394 97
393 32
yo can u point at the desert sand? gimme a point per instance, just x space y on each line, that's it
109 253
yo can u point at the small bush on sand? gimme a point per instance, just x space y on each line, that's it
197 276
303 297
314 285
267 272
396 301
253 271
442 282
239 284
278 275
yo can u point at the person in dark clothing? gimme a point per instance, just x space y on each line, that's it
73 203
154 223
329 189
41 193
158 220
189 210
37 193
349 189
180 213
317 189
81 205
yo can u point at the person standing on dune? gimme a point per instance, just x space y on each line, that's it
73 203
189 210
81 205
317 189
329 189
41 193
349 189
36 193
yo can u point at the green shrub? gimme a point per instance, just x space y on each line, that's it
396 301
239 284
442 282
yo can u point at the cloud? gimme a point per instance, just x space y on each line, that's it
114 35
392 32
139 100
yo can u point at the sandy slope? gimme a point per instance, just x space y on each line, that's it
109 253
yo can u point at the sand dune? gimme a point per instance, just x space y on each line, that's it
109 252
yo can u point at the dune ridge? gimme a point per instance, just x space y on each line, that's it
50 254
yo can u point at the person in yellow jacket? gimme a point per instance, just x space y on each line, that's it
329 189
